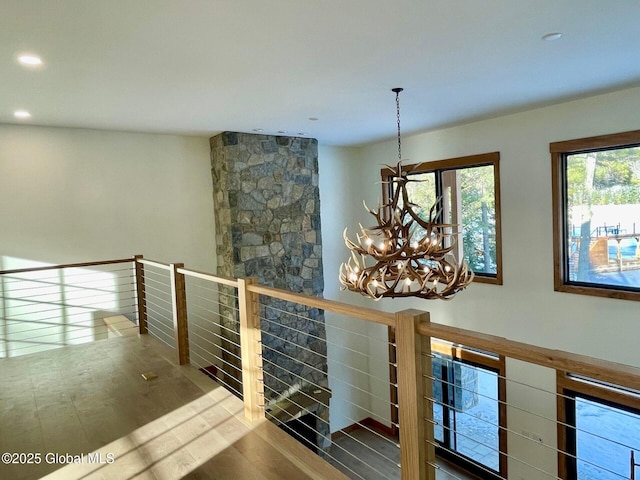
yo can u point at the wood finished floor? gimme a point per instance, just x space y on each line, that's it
92 399
365 454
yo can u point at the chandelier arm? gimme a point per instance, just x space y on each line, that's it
410 259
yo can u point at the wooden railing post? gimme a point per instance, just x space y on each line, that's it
179 304
142 301
417 452
251 351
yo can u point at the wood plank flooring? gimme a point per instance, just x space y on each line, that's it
90 399
371 455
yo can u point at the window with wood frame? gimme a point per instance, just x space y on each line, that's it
598 429
596 213
468 190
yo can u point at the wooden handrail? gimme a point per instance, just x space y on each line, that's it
368 314
597 369
153 263
67 265
232 282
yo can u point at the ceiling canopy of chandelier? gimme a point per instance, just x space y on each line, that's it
408 256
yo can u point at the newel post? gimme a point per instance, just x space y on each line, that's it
140 294
179 307
251 350
417 453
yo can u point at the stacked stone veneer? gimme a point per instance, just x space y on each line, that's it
267 214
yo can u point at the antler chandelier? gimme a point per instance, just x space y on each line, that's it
412 257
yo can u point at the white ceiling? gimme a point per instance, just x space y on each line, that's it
204 66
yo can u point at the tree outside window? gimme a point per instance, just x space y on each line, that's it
466 190
597 208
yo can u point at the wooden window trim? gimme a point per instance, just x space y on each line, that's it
478 160
496 363
559 150
567 386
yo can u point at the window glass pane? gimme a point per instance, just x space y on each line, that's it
603 217
605 436
478 218
438 394
422 192
468 196
477 427
466 410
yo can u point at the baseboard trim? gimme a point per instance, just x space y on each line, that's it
369 423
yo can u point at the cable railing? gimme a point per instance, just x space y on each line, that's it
158 295
577 418
49 307
376 394
214 328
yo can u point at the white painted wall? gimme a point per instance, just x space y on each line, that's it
525 308
347 338
73 195
77 195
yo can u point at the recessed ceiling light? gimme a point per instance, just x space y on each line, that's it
550 37
21 114
30 60
258 129
282 131
302 134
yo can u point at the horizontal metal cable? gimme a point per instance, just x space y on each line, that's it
158 271
66 307
224 339
80 324
13 321
152 277
319 370
517 382
160 339
155 321
308 412
65 287
159 287
306 381
198 315
264 332
316 337
234 332
13 279
538 415
451 474
191 315
486 469
218 346
516 433
328 325
156 325
213 288
158 293
239 369
64 297
217 313
161 306
161 333
57 306
158 315
226 385
232 308
63 342
305 440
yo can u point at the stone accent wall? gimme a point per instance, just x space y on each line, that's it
268 209
267 206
